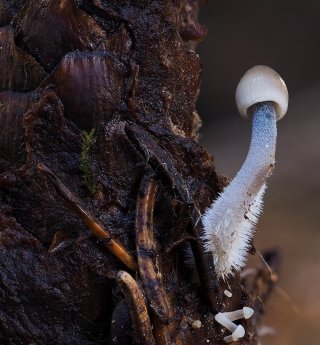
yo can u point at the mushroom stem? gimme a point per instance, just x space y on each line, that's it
260 159
237 209
225 322
244 313
235 336
237 330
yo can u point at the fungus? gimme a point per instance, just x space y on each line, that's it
227 293
244 313
229 222
235 336
237 330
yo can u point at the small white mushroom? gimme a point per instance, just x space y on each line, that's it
244 313
227 293
225 322
236 335
230 221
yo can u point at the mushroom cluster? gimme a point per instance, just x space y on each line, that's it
226 320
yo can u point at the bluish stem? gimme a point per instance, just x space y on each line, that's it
229 222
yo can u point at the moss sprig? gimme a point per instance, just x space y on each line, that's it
87 140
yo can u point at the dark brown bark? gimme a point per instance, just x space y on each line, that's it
128 70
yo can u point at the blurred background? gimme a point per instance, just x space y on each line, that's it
284 35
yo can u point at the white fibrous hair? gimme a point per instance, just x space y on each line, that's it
230 221
228 234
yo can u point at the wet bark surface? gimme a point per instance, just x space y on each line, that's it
128 71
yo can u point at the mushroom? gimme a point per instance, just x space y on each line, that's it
237 330
244 313
230 221
235 336
227 293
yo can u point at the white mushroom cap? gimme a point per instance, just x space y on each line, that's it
238 333
247 312
262 84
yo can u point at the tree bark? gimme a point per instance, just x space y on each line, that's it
102 181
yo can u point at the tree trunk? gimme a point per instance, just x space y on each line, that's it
102 181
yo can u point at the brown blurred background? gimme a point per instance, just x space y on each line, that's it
285 35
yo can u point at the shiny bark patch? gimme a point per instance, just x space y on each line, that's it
19 70
51 28
90 86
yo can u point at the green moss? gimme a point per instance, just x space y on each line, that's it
87 140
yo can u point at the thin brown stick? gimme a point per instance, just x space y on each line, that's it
147 251
137 308
114 246
179 242
165 326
